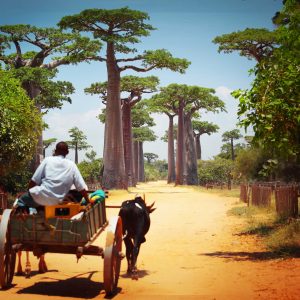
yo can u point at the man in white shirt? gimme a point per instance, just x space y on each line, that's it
53 179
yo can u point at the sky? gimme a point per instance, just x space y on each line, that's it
185 28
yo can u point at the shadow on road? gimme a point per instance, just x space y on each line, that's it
77 287
141 274
252 256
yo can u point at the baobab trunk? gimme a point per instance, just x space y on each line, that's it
180 145
190 152
198 146
127 138
141 163
113 157
76 153
171 154
136 160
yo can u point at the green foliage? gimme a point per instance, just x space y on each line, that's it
150 157
20 125
226 150
193 99
90 168
248 163
143 134
78 139
17 181
121 26
204 127
271 107
281 236
231 135
134 86
140 115
49 42
162 58
285 240
157 170
251 42
214 171
47 143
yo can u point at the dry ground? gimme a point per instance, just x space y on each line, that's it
192 252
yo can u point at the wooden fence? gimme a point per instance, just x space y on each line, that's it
244 196
286 200
3 202
261 195
286 196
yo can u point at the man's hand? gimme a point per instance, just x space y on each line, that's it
85 195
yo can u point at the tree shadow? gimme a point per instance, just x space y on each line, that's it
252 256
76 287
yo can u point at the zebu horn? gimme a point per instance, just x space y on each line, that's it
150 206
144 198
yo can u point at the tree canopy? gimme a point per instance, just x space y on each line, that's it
78 141
271 106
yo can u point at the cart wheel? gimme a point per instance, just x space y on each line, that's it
7 254
112 255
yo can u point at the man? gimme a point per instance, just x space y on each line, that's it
52 180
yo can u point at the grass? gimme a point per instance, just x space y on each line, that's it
280 235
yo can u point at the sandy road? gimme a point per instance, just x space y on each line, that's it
191 252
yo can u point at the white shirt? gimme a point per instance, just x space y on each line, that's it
54 178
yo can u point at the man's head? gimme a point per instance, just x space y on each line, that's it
61 149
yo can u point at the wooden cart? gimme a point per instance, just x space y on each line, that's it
59 233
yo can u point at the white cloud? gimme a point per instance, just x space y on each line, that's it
60 122
223 92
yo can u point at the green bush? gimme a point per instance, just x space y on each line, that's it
90 170
20 125
217 171
157 170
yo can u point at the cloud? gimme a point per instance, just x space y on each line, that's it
61 122
223 92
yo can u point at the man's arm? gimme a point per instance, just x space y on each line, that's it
85 195
31 184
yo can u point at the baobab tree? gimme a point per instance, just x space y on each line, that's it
34 67
135 87
164 104
185 102
229 136
47 143
200 128
140 118
141 135
171 156
119 29
77 142
254 43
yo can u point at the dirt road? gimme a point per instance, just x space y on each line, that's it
191 252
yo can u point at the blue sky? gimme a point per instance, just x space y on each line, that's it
185 28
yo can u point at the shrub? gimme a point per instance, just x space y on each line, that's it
214 171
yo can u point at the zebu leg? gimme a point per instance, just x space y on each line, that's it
129 252
27 266
19 268
42 264
135 253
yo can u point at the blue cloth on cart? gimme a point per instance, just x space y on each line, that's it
95 197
